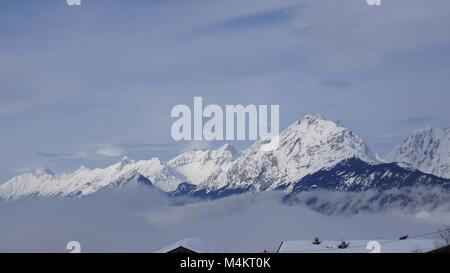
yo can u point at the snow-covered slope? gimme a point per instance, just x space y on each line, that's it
197 166
427 150
307 146
79 183
355 175
312 145
189 167
162 176
194 244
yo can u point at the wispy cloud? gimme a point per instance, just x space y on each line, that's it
148 146
196 145
253 20
111 151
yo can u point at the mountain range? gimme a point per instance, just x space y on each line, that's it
314 152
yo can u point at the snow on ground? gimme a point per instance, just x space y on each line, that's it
359 246
194 244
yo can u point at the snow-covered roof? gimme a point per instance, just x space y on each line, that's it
194 244
358 246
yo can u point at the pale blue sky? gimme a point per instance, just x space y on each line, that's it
78 81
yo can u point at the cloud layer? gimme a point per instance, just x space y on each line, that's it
141 219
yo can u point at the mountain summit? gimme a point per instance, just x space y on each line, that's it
427 150
197 166
306 146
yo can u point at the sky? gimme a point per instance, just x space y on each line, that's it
88 85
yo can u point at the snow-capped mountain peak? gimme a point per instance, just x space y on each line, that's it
42 172
159 173
427 150
196 166
227 152
306 146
